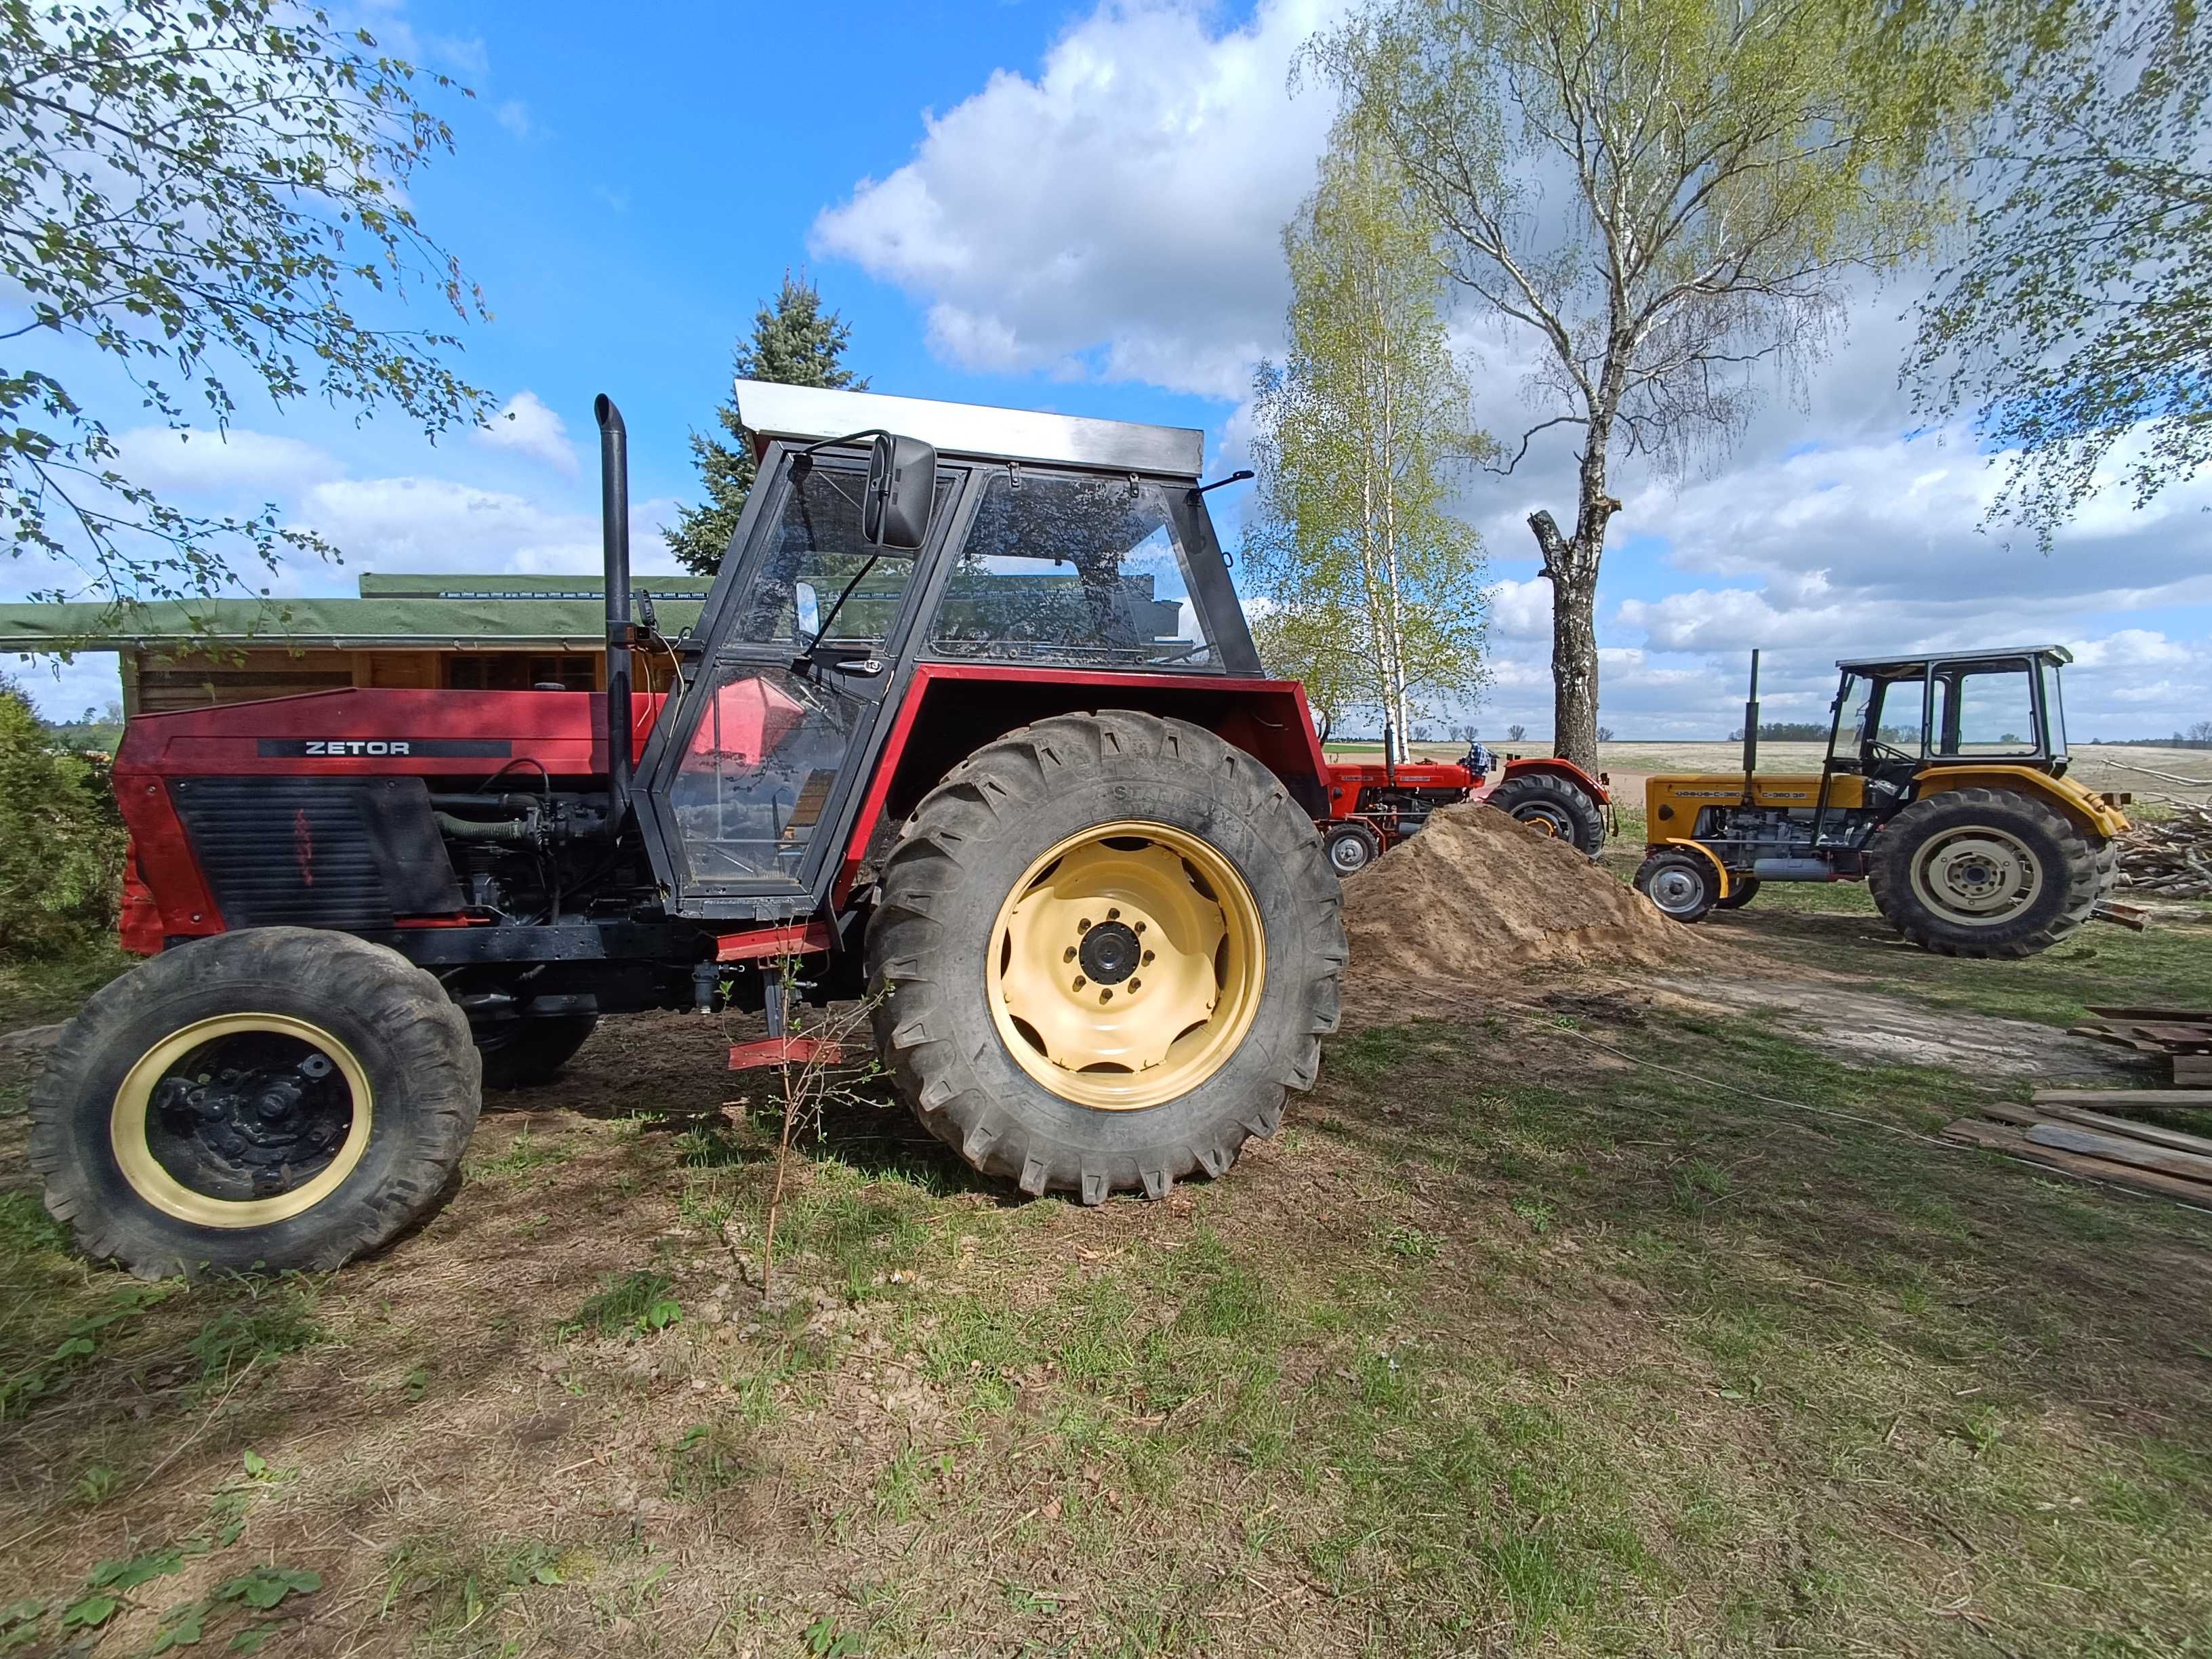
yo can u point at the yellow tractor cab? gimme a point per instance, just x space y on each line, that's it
1944 789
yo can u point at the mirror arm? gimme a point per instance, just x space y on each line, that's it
849 438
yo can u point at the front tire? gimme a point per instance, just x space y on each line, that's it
272 1098
1740 893
1551 805
1032 894
521 1053
1351 847
1986 872
1684 885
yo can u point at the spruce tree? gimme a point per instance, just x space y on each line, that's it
794 341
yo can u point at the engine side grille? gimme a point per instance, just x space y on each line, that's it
341 852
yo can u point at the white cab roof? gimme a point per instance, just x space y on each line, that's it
808 414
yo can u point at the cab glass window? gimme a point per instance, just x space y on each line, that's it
1073 567
1986 708
814 553
1854 707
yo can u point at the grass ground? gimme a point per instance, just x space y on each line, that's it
1581 1319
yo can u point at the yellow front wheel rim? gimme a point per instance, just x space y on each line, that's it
1125 966
241 1151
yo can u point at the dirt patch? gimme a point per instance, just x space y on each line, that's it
1860 1025
1476 895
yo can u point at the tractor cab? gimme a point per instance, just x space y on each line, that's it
988 544
1895 717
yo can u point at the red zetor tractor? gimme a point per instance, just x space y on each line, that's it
1375 805
970 726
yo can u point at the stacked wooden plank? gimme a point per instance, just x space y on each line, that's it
2077 1131
2180 1039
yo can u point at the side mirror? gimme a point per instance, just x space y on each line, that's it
902 492
809 610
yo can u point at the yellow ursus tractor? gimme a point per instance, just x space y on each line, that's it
1944 789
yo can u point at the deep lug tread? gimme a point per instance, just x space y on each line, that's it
414 1041
925 889
1548 790
2081 858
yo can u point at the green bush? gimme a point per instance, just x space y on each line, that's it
61 839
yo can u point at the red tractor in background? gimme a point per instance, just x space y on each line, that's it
1373 805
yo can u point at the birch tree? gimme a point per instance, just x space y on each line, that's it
1371 585
1665 199
202 203
2075 322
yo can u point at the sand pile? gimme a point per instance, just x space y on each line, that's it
1476 894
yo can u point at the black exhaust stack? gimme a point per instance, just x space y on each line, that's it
614 530
1751 730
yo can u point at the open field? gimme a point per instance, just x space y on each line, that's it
2116 767
1576 1316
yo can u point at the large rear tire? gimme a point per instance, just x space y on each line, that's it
1986 872
1106 946
276 1097
1551 805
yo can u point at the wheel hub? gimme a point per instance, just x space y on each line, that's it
1676 891
1109 952
241 1121
1978 876
1125 966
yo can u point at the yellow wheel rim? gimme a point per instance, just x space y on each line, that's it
1125 966
163 1148
1977 876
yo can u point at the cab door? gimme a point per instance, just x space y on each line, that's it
748 786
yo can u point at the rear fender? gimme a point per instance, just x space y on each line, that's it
1555 767
952 709
2090 813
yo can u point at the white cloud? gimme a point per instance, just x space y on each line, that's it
435 524
514 116
1120 215
237 461
529 427
1521 611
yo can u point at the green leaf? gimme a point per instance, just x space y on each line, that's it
22 1612
185 1627
265 1587
129 1574
256 1464
662 1314
250 1639
90 1612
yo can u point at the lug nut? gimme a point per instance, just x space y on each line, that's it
1113 916
1148 959
1136 985
1105 997
1084 925
1068 955
1080 982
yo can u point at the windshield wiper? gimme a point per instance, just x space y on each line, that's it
822 632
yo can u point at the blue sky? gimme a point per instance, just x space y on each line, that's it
1077 207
